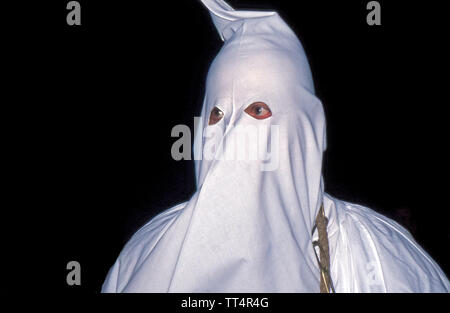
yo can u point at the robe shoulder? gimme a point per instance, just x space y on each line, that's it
138 248
403 264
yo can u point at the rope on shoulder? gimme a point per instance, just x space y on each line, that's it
326 283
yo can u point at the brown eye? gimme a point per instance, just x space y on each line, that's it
216 115
258 110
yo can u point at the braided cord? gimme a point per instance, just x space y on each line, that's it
326 283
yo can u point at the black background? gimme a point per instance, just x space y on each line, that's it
101 99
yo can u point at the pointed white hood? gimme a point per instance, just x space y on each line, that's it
259 221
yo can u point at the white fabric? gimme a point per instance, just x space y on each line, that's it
248 229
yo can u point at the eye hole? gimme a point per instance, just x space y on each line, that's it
258 110
216 115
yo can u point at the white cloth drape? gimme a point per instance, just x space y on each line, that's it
247 229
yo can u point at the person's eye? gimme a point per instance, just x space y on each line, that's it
258 110
216 115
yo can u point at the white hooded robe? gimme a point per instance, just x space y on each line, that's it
248 227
